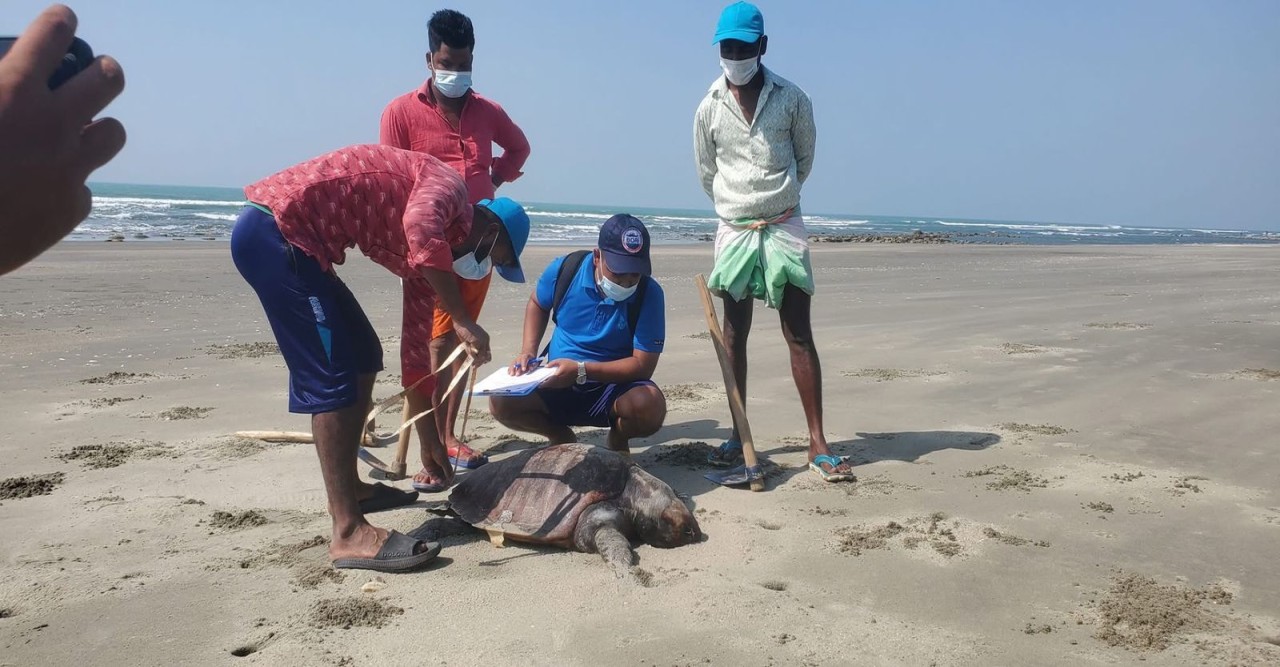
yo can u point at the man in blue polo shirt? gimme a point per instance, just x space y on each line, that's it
610 330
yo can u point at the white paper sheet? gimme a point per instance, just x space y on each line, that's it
502 383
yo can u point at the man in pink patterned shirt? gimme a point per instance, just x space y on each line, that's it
449 120
407 212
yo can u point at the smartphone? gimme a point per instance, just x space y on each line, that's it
78 57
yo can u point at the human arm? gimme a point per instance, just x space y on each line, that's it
49 141
515 150
804 137
438 204
537 313
704 148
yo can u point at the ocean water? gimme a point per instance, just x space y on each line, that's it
154 212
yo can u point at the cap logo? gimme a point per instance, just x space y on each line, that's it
632 241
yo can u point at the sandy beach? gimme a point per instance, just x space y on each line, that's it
1066 456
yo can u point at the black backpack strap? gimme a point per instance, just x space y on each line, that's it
568 270
564 278
633 308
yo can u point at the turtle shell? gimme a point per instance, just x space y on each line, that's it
539 495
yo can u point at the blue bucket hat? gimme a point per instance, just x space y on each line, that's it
741 21
516 222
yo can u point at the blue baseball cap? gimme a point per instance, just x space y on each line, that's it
741 21
516 221
624 243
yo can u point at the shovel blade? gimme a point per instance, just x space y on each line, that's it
736 476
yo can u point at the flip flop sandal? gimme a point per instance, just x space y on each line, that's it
386 497
833 461
726 455
430 487
475 461
396 555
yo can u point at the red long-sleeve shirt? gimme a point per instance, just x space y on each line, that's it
414 122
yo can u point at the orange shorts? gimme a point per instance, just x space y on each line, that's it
473 295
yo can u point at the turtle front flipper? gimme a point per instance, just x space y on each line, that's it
615 549
600 530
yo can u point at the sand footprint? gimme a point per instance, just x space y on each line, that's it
1118 326
243 350
944 537
119 377
889 374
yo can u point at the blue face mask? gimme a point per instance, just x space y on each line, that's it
451 84
469 268
615 291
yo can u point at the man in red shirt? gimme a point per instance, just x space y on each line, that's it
409 213
448 120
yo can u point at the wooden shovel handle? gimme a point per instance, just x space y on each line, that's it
736 407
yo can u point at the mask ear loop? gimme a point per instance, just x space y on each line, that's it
489 253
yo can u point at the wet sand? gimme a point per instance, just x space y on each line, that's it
1065 456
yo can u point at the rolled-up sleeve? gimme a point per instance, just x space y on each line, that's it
438 201
515 147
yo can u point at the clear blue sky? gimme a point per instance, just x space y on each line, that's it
1143 112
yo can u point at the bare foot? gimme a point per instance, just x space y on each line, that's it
364 542
466 456
432 476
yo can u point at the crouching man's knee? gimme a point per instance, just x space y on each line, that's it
502 408
642 410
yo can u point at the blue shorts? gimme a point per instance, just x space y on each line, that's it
590 404
324 335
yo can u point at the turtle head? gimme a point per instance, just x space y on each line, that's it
659 517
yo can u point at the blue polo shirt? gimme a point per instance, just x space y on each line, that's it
594 328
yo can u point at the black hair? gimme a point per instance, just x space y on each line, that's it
450 27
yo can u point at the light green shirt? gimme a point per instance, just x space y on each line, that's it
754 170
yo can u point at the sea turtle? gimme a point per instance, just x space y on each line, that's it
577 497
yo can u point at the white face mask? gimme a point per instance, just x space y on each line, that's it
740 72
615 291
451 84
468 268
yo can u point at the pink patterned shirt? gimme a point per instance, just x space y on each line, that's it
404 210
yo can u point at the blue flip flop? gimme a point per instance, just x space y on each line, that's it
833 461
433 487
726 455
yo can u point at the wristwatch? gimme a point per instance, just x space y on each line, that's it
582 372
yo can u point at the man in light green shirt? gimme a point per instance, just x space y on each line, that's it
754 140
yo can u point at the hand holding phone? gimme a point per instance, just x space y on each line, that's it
78 56
50 141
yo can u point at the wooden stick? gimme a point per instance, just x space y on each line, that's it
398 466
736 407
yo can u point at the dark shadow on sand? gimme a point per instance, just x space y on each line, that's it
910 446
686 476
